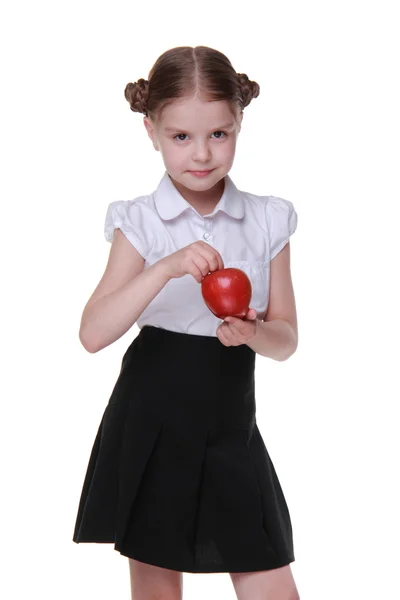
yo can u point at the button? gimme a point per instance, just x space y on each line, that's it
207 236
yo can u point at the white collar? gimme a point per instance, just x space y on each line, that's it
170 203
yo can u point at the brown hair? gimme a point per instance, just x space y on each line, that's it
183 70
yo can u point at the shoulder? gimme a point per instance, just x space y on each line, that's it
136 212
269 202
277 216
134 206
275 205
273 208
137 219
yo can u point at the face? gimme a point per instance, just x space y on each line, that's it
192 136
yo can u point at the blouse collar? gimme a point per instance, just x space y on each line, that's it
170 203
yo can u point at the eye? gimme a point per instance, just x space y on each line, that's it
178 136
220 137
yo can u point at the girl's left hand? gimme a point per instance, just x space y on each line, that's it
235 332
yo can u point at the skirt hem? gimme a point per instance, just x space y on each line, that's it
282 562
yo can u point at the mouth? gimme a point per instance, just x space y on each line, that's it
201 173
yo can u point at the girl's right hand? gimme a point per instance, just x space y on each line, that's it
197 259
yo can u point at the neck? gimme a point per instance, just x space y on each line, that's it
204 202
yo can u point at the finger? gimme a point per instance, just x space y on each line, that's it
229 334
202 263
252 314
233 336
195 271
221 337
213 256
215 260
220 261
237 334
241 330
210 262
237 325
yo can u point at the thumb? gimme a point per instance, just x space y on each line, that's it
252 314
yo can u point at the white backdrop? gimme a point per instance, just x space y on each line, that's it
324 133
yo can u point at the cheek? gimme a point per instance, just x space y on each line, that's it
165 150
228 150
171 155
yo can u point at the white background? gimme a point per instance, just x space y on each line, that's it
324 133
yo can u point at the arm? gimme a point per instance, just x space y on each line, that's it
122 294
277 334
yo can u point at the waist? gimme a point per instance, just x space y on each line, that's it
201 345
162 350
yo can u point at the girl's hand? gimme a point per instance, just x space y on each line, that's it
234 331
197 259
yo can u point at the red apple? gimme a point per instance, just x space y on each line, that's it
227 292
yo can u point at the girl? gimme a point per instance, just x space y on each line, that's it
179 478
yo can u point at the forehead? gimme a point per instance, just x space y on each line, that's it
187 113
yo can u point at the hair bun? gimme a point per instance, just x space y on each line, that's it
247 89
137 94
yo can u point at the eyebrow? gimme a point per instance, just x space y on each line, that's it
225 126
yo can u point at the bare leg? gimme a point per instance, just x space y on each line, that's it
274 584
154 583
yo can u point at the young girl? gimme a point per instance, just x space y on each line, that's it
179 478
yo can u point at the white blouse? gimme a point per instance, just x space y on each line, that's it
247 230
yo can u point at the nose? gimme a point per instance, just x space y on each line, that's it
201 152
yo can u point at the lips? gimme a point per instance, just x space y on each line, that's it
201 173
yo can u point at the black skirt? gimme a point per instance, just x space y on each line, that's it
179 475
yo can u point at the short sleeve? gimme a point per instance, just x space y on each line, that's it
281 222
129 217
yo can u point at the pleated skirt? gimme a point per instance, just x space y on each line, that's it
179 475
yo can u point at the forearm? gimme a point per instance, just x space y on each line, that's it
107 319
274 339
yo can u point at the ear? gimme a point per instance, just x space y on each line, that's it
148 123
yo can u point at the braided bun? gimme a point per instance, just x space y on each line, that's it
180 72
137 94
247 89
